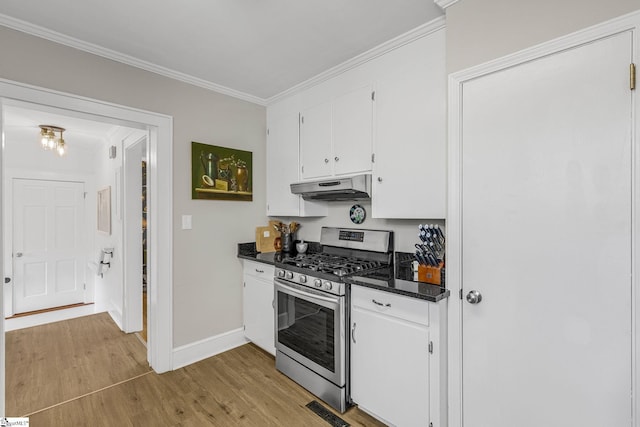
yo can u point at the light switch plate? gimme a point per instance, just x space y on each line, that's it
186 222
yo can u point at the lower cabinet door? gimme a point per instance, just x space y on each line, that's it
390 368
258 313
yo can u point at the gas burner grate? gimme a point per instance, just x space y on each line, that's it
333 264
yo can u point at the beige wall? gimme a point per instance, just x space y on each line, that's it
207 282
481 30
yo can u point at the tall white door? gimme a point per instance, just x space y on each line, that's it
546 159
48 251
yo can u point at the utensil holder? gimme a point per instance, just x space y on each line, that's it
287 242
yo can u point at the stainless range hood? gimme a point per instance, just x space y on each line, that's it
335 189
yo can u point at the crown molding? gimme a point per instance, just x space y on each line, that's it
401 40
35 30
444 4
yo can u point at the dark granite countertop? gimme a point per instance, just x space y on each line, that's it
399 282
425 291
248 251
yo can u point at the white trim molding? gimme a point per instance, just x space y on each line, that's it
60 38
444 4
401 40
208 347
629 22
38 31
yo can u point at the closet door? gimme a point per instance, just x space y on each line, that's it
546 175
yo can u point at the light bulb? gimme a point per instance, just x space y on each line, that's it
61 150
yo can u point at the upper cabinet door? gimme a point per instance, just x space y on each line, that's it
409 173
352 131
315 142
282 165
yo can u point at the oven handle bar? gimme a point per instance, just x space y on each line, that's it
308 294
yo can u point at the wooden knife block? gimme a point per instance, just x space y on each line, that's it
429 274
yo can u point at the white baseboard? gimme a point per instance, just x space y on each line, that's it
117 318
48 317
199 350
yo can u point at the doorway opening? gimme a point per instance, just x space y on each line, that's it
158 128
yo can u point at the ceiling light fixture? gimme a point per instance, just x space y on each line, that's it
51 141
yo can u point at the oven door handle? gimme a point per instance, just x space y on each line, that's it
307 294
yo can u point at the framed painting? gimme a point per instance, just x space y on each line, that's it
104 210
221 173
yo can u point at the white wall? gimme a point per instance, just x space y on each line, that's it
481 30
405 230
110 287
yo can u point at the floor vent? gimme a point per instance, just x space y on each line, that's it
326 414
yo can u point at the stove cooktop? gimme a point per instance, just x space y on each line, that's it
328 264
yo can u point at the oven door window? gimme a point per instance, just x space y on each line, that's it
308 329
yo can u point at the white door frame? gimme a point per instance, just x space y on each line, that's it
160 128
454 217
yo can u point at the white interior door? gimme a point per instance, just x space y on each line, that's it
546 160
48 250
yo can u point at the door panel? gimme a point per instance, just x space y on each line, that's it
546 238
49 259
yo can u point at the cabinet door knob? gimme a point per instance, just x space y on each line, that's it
379 179
18 254
326 160
336 158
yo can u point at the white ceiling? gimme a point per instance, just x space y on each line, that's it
253 48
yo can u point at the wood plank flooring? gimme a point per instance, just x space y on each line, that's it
51 363
240 387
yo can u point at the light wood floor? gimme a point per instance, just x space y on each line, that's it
103 379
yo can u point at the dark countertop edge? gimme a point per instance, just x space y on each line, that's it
438 293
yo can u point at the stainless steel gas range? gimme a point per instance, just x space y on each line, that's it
312 311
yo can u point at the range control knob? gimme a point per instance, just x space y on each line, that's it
328 285
289 274
317 283
303 278
280 273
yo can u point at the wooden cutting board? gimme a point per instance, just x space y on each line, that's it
265 237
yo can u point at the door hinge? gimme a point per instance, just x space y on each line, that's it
373 95
244 284
84 195
244 327
267 132
632 76
460 293
302 169
84 286
430 347
373 157
302 119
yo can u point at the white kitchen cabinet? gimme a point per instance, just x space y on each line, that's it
282 165
398 366
258 305
409 172
336 135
